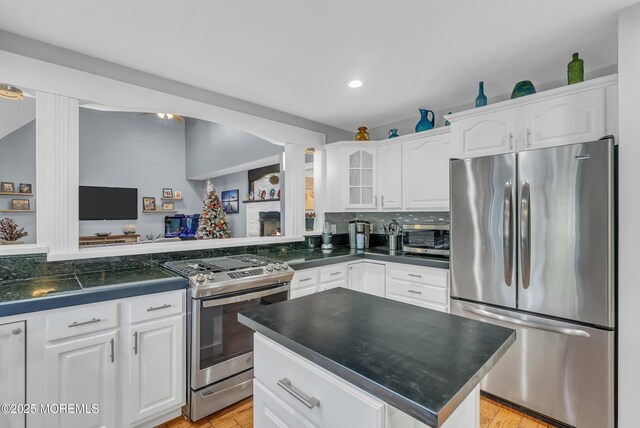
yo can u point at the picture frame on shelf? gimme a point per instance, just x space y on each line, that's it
230 201
20 204
25 188
177 194
167 206
149 203
7 187
167 193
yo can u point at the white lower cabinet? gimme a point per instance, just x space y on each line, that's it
12 371
418 285
367 277
271 412
157 367
82 371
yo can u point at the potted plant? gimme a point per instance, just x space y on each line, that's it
10 232
309 220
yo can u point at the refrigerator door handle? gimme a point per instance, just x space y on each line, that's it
530 324
525 234
507 236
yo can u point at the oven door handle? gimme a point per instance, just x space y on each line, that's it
244 297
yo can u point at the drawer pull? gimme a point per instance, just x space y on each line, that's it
306 279
135 343
157 308
415 275
335 273
113 350
415 291
78 324
310 402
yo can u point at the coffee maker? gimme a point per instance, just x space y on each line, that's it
359 227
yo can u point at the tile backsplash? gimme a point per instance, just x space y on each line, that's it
341 220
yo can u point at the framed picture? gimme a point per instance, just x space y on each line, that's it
20 204
7 187
149 203
25 188
167 193
230 203
177 194
167 206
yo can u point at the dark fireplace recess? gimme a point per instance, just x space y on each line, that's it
269 223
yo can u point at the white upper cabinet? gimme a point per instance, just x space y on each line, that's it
390 176
567 115
565 120
425 172
486 134
362 190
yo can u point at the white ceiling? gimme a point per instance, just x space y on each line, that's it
296 55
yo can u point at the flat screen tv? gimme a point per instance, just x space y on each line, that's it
108 203
181 226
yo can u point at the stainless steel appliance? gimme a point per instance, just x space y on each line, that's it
219 348
426 239
394 235
359 227
533 248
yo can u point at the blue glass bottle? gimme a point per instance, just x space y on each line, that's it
393 133
481 99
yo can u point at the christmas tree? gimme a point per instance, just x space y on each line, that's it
213 224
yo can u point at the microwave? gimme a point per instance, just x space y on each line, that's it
426 239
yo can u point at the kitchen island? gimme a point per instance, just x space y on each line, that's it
348 359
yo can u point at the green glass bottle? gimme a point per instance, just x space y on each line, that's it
575 70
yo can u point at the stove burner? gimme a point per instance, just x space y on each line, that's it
189 268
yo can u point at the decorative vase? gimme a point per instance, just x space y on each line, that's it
523 88
425 124
309 224
447 123
362 134
393 133
575 70
481 99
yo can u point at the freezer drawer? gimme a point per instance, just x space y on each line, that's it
558 369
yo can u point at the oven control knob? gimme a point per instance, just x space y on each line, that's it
200 278
211 276
278 266
269 268
285 266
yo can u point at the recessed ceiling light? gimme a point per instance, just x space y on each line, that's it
353 84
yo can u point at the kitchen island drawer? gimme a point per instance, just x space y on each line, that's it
418 274
155 306
63 323
312 392
413 291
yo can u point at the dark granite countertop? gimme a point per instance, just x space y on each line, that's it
310 258
423 362
39 294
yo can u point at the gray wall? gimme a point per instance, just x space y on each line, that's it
212 147
132 150
18 165
240 181
20 45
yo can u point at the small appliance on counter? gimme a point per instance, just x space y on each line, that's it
360 228
327 237
432 239
394 235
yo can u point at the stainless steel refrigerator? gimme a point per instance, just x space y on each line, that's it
533 249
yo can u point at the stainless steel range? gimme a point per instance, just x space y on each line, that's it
219 348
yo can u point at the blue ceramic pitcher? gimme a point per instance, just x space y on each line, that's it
425 124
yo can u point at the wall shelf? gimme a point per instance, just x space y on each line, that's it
172 199
17 211
159 211
15 194
261 200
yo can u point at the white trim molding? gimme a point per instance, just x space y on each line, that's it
57 164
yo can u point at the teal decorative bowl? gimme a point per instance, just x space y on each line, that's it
523 88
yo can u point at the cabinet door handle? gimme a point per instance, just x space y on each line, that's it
415 291
415 275
113 350
135 343
78 324
528 137
376 200
305 279
335 273
157 308
16 331
510 141
382 201
308 401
